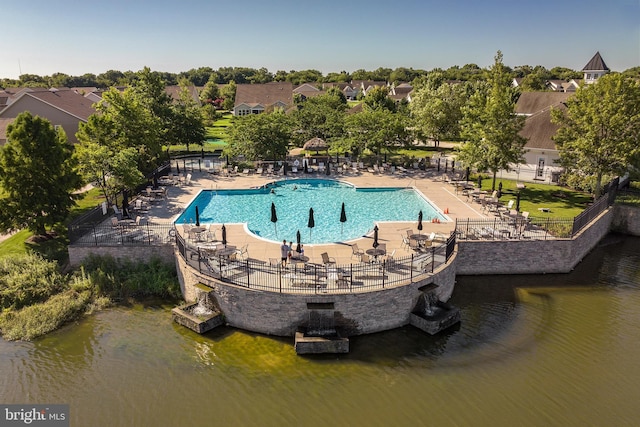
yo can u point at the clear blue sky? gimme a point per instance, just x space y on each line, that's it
76 37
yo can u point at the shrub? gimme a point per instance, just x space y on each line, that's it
26 279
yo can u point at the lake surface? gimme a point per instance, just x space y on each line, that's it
549 350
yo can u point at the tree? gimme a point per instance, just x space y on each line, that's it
263 136
490 125
185 122
210 92
101 160
376 130
228 93
378 98
321 116
37 175
599 131
437 110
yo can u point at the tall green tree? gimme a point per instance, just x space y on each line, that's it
228 93
102 161
491 126
379 131
186 124
321 116
437 109
37 175
599 131
378 99
265 136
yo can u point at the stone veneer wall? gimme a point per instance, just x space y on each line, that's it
531 256
77 254
282 314
626 219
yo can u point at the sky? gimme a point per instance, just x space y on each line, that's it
76 37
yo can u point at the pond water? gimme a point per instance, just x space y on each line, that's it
548 350
294 198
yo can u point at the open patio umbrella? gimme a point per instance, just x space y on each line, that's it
224 235
375 237
197 217
420 220
312 221
343 218
274 216
298 241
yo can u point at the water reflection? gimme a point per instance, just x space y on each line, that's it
531 350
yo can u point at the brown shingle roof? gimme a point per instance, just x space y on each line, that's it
265 94
67 101
534 102
539 130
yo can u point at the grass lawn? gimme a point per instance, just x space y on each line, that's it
562 202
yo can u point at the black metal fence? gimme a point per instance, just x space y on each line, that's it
516 228
127 233
599 206
310 278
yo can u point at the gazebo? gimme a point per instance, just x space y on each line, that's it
316 144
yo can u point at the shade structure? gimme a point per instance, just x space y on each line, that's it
197 217
312 222
125 203
298 241
420 220
224 235
315 144
343 217
375 237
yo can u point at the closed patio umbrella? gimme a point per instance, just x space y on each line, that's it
274 216
343 218
312 221
298 241
177 168
197 217
224 235
375 237
155 180
518 201
420 220
328 169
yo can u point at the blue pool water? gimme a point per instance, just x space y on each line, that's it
293 198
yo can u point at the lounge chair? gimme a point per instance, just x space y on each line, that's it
242 253
187 180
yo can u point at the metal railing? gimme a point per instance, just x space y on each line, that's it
595 209
310 278
129 234
514 228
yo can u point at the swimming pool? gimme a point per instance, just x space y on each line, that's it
293 199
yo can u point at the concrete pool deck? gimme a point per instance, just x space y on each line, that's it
441 194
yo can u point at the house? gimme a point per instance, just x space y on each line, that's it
400 92
174 92
258 98
541 153
562 86
595 69
350 92
308 90
62 107
366 85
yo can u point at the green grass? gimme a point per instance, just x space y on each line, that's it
562 202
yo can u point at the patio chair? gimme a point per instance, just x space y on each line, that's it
356 252
405 242
187 180
326 259
242 253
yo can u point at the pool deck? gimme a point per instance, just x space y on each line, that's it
440 193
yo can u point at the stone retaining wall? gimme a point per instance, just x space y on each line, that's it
626 219
531 256
77 254
282 314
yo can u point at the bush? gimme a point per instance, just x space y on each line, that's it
27 279
132 279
